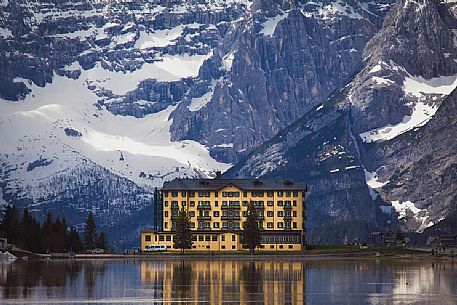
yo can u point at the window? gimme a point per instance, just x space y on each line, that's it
192 213
183 194
194 238
280 213
207 238
165 213
223 237
270 213
287 225
183 203
294 225
281 246
295 194
161 238
245 194
215 225
200 194
165 225
165 194
270 203
233 247
147 238
287 194
222 247
216 194
294 213
168 238
200 238
216 203
192 203
191 194
280 203
207 194
280 193
269 194
245 203
280 225
214 238
245 213
294 203
174 194
233 237
272 247
269 225
192 225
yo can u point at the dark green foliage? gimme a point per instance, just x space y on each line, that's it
251 232
12 225
183 234
27 233
338 233
90 232
74 241
101 241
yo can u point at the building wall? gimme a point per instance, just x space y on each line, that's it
211 215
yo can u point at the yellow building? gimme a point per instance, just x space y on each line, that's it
218 208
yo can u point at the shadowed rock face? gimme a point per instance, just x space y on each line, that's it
273 68
384 144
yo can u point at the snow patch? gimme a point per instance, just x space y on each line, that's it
418 86
169 68
419 214
198 103
269 26
422 113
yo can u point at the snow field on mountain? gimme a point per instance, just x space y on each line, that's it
34 129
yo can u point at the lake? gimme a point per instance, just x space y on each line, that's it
227 281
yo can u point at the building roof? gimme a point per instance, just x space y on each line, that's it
242 184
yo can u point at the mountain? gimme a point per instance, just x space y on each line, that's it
381 149
102 101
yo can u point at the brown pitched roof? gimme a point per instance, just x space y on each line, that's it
242 184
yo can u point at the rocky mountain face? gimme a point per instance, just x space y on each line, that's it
101 101
384 143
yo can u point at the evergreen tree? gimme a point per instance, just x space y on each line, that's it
251 232
12 225
183 235
74 241
47 237
90 232
101 241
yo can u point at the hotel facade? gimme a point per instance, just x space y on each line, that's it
218 208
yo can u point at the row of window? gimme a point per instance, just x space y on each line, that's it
285 213
260 203
235 225
265 239
233 194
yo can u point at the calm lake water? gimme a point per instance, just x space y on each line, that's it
226 281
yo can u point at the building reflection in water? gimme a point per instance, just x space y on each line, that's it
223 281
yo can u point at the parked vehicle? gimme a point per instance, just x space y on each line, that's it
155 248
97 251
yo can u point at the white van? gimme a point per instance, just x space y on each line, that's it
155 248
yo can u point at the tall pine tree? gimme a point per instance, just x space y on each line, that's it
251 232
183 234
90 232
